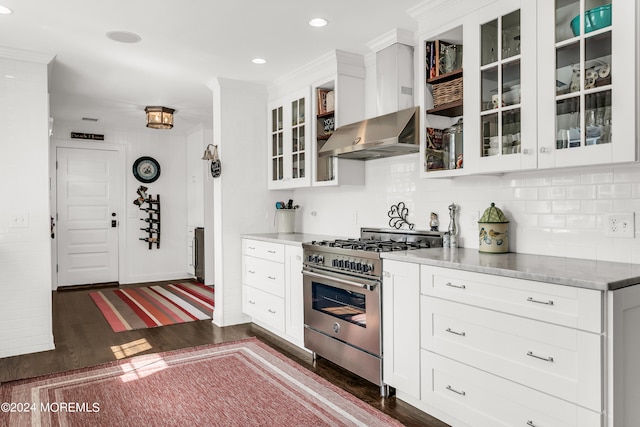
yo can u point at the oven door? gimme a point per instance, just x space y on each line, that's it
344 308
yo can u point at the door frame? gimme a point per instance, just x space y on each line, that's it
53 200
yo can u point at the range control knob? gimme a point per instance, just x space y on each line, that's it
321 259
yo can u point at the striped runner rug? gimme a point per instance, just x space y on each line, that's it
151 306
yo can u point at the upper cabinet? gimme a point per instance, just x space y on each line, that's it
500 79
546 83
587 86
338 100
289 161
302 120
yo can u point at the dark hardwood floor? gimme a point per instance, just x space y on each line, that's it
83 338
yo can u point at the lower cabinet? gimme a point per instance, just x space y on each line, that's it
476 349
272 288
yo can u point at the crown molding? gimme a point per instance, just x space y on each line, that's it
389 38
25 55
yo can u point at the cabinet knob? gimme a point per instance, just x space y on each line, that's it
543 150
525 151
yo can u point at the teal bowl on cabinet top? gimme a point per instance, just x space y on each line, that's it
594 19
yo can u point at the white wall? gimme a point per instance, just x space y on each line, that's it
25 260
559 212
241 202
139 264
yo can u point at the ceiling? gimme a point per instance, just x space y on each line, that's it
184 45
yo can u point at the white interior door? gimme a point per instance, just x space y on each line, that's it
87 201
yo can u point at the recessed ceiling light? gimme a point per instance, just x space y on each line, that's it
5 11
123 36
259 61
318 22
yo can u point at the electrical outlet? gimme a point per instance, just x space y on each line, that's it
620 225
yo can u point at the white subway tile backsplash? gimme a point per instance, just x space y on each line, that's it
552 212
581 222
577 192
552 193
600 177
526 193
596 206
543 206
552 221
565 206
614 191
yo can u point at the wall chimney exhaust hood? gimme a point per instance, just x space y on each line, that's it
396 130
389 135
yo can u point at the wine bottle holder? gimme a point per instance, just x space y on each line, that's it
152 227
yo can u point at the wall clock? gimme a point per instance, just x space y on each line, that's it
146 169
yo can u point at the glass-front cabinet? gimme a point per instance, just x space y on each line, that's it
288 162
587 67
501 100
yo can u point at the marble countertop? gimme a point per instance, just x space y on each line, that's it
582 273
294 239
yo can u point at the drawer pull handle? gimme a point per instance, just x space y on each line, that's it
461 393
451 331
271 251
252 302
253 248
451 285
546 359
251 271
271 278
271 311
530 299
531 423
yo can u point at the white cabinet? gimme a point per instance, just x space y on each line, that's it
346 88
536 335
500 88
272 287
294 308
401 326
588 82
477 349
542 87
289 162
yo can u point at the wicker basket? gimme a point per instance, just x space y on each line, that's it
446 92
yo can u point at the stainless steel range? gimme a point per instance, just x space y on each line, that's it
342 296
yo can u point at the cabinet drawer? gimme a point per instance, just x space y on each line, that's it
563 305
263 307
480 399
264 250
262 274
561 361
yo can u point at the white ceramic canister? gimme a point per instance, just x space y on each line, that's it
493 229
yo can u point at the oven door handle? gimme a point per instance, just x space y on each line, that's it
369 285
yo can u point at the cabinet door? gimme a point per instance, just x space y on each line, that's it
500 91
587 82
288 161
401 326
294 314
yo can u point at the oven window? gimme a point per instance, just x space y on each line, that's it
346 305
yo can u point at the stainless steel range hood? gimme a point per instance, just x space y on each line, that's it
383 136
396 130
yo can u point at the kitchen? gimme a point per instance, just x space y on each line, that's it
557 212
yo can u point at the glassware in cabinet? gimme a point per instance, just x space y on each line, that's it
500 82
588 58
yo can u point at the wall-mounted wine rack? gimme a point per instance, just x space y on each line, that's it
152 226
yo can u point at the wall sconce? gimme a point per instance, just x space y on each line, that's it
159 117
213 157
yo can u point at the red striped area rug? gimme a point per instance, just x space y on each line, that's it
245 383
151 306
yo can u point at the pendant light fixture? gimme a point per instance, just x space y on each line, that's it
159 117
